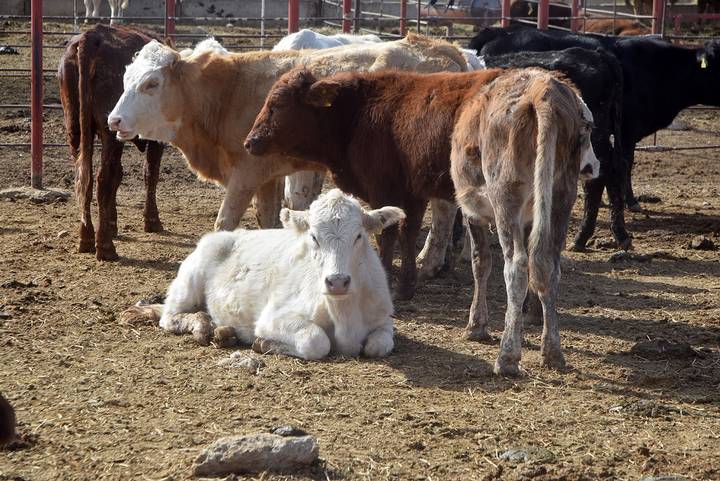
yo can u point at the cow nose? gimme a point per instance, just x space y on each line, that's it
587 170
114 122
337 284
251 143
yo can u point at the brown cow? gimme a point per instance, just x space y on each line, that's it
90 74
364 128
516 152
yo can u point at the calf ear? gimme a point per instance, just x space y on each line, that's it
376 220
294 219
322 93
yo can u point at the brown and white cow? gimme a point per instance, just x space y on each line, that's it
205 105
90 74
386 137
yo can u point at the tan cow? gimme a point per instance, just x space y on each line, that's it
205 105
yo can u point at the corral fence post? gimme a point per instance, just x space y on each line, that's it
346 8
657 16
505 13
293 15
574 14
169 18
356 20
36 95
403 18
543 14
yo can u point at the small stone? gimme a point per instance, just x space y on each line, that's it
649 199
240 360
5 315
38 196
702 243
288 431
663 478
663 348
62 233
679 124
605 243
527 454
625 256
256 453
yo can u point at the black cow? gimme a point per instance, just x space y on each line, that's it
659 79
598 76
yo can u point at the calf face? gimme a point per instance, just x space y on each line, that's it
150 105
293 110
335 229
589 163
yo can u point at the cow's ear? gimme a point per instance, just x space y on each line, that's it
294 219
322 93
376 220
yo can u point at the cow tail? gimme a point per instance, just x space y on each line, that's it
540 261
85 101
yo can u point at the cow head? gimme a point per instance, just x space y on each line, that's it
150 105
589 164
708 58
335 229
294 109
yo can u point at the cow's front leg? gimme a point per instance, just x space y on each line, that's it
267 203
238 195
285 332
380 341
197 323
432 257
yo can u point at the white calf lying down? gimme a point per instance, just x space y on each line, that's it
314 287
301 188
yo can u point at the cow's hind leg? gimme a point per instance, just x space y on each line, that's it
414 211
108 179
151 216
477 328
432 257
511 235
267 202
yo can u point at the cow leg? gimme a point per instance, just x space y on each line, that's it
198 324
302 188
616 195
386 244
532 307
151 216
432 257
511 236
593 195
236 201
632 203
267 203
380 342
414 212
477 328
281 331
108 178
83 194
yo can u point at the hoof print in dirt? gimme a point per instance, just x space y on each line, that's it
702 243
255 453
662 348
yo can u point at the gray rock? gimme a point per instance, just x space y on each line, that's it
240 360
288 431
38 196
529 454
664 478
255 453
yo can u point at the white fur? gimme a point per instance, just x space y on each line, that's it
473 62
589 157
307 39
117 8
301 188
271 283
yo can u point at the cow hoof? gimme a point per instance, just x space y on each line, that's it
86 246
553 359
509 369
202 329
635 207
139 315
107 254
578 247
479 335
262 345
403 294
224 336
626 244
153 226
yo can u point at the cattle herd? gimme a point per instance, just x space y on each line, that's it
503 129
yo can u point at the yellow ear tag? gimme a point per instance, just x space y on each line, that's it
329 104
703 62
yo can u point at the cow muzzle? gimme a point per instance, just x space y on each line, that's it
337 285
255 145
115 123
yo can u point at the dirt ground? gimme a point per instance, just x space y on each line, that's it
103 400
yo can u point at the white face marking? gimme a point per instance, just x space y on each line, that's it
589 157
139 109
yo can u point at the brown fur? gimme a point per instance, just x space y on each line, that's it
516 153
90 75
622 27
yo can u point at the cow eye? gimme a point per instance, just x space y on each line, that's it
312 236
151 84
358 237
